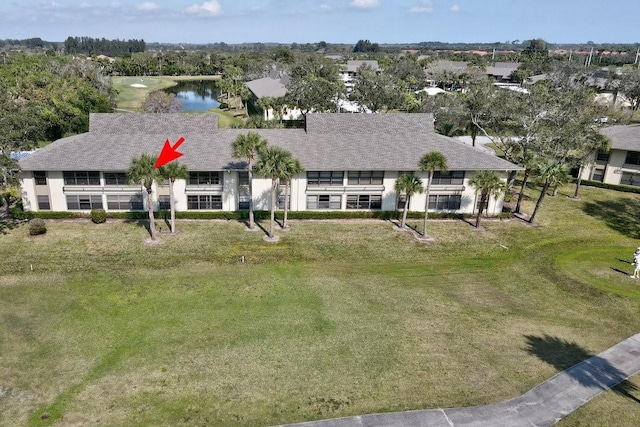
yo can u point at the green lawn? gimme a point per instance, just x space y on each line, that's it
339 318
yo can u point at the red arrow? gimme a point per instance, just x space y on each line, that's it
169 153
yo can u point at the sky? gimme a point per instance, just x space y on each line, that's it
332 21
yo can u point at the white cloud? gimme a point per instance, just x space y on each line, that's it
148 6
208 8
364 4
455 8
425 7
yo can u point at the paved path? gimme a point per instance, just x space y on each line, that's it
544 405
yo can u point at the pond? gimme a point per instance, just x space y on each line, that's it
196 95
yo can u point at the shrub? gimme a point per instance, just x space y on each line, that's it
616 187
98 216
18 213
37 227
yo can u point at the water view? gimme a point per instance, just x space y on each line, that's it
196 95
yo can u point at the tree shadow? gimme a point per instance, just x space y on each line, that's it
144 223
7 225
588 369
621 215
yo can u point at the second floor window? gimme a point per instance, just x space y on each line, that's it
449 178
366 177
325 178
204 178
116 178
633 158
81 178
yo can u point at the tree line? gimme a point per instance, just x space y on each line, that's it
90 46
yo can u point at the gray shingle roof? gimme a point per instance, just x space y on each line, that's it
330 142
268 86
624 137
353 65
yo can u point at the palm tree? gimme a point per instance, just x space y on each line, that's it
294 167
247 147
550 172
271 164
488 183
171 172
142 171
431 162
409 185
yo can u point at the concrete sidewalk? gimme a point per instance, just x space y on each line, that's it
544 405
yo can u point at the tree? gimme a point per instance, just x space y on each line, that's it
315 85
629 86
549 172
366 46
142 171
488 183
408 184
374 91
581 158
171 172
247 147
272 163
293 168
431 162
161 102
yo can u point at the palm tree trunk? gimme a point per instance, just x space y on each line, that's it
286 204
172 205
250 173
527 172
545 188
152 220
404 212
274 182
426 205
578 182
483 200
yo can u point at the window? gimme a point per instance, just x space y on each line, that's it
243 178
598 175
602 157
324 201
364 201
445 202
43 203
633 158
449 178
326 178
281 201
401 199
40 177
204 201
124 202
630 178
365 177
81 178
87 203
204 178
243 203
164 203
116 178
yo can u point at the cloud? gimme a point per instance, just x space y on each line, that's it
455 8
148 6
425 7
208 8
364 4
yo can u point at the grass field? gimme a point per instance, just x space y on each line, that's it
339 318
131 98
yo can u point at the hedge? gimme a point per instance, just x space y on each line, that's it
244 215
616 187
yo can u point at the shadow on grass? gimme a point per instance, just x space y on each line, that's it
567 356
144 223
7 225
621 215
